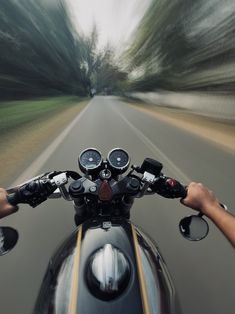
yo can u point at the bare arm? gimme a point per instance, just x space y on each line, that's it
224 221
204 200
5 208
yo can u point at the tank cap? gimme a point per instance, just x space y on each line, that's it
108 272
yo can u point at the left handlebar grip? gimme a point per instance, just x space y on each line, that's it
13 199
32 193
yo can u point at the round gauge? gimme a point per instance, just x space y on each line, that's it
118 159
89 160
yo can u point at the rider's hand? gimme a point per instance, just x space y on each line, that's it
200 198
5 208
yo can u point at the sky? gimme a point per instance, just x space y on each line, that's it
115 19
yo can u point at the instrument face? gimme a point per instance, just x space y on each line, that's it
118 159
89 160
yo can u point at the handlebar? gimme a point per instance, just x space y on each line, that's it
37 191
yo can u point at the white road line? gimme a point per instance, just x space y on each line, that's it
38 163
180 175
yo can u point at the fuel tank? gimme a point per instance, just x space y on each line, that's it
107 266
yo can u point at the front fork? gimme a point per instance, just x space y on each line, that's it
80 207
125 205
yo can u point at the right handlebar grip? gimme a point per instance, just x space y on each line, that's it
183 191
170 188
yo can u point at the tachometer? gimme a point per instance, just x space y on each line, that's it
118 160
90 159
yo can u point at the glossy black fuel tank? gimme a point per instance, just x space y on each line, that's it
107 267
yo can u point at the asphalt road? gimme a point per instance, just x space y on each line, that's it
203 272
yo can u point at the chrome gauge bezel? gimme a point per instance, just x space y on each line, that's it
114 167
86 169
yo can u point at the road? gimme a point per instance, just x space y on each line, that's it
203 272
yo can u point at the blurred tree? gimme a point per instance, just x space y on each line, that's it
41 53
108 77
184 45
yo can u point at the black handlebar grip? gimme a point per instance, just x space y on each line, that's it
170 188
184 192
178 191
13 199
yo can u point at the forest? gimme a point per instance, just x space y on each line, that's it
178 45
42 53
184 45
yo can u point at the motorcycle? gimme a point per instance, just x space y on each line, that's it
107 265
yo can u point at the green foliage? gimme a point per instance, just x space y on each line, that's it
108 77
14 114
41 53
183 44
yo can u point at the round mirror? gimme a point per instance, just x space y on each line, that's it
8 239
193 228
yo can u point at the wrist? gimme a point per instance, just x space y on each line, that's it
211 209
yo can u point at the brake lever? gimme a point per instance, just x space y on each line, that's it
148 179
149 191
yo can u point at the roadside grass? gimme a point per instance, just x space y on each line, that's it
17 114
28 127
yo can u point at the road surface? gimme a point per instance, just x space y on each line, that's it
203 272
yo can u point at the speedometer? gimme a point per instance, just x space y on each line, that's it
89 160
118 159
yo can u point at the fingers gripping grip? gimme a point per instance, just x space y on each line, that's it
33 193
13 199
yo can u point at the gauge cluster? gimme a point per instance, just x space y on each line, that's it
118 160
91 162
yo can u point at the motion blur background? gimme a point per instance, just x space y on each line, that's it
65 47
168 67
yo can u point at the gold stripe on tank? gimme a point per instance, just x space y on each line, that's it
143 288
75 274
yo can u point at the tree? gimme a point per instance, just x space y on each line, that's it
108 77
184 45
41 53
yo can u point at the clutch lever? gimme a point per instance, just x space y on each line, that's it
60 181
55 194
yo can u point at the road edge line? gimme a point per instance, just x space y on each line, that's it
37 164
179 173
